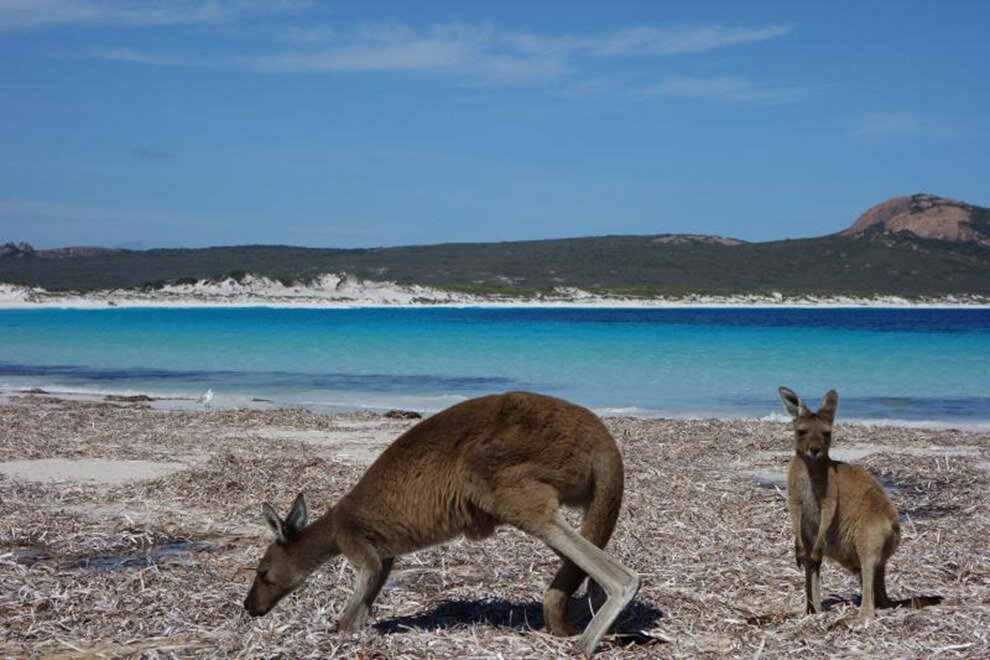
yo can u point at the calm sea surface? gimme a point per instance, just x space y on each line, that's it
906 365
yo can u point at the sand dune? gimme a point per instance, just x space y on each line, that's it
345 291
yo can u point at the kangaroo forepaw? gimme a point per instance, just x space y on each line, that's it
555 614
815 556
800 554
561 629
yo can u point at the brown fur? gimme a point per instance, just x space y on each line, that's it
838 511
509 459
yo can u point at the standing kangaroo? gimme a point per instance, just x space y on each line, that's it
511 459
838 511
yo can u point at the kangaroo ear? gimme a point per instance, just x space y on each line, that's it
829 403
276 523
298 515
795 406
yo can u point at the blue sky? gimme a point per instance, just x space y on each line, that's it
157 124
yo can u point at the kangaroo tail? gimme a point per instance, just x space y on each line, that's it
606 500
599 522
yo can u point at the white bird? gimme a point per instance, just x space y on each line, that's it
206 398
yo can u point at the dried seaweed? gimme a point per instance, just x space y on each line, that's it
713 547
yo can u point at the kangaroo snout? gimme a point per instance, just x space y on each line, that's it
260 601
251 604
255 608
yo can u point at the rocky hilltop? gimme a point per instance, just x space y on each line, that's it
16 250
925 216
26 250
695 239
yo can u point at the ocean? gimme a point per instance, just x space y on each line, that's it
906 366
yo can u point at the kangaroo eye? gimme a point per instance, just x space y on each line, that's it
827 434
263 576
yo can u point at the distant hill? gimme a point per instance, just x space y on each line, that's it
874 256
21 250
14 250
695 239
925 216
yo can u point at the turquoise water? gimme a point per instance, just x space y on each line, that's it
908 365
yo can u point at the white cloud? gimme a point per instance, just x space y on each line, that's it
480 51
306 35
642 40
26 14
414 55
726 88
153 59
884 124
681 41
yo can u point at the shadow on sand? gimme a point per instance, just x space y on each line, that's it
854 602
499 613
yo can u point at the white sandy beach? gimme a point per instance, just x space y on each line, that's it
346 291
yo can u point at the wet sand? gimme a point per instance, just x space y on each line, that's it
125 528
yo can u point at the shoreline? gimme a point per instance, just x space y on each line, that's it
345 292
605 303
179 403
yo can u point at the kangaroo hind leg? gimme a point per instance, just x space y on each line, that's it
813 585
534 507
867 577
880 598
597 526
619 583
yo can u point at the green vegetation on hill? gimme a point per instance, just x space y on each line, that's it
636 265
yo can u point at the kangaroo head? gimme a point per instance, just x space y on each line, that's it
812 430
284 567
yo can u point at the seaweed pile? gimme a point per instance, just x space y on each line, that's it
160 567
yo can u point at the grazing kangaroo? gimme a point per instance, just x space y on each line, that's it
511 459
839 511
